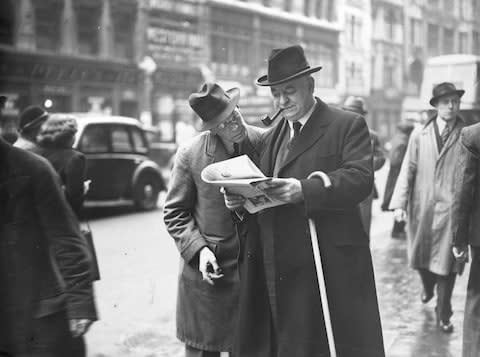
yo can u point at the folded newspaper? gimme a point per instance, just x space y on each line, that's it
241 176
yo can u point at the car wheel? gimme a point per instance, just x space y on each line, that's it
146 192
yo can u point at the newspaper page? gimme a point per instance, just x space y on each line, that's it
241 176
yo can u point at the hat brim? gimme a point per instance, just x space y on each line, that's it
459 92
263 80
234 95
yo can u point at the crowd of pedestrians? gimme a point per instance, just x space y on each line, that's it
253 284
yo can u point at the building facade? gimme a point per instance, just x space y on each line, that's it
70 55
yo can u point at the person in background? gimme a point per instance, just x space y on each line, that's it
425 190
7 131
204 230
280 311
31 120
358 105
397 152
46 300
55 140
466 213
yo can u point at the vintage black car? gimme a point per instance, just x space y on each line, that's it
118 162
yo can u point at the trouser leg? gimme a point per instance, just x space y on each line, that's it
471 322
51 337
428 280
195 352
445 286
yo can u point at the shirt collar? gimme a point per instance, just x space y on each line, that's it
302 120
442 123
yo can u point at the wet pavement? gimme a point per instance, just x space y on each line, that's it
136 296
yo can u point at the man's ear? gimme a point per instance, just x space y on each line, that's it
311 83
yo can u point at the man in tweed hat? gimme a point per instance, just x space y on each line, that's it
203 228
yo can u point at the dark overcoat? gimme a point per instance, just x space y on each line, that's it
195 216
44 261
279 285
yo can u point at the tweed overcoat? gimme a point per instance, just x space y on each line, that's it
425 188
278 280
44 261
195 216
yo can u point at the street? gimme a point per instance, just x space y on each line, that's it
136 294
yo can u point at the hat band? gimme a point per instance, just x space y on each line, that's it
34 121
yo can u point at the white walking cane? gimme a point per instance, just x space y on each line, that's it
319 268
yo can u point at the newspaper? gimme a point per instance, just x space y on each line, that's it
241 176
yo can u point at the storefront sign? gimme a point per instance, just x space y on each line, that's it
183 7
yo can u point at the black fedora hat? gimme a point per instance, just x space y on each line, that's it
286 64
356 105
32 117
213 105
443 89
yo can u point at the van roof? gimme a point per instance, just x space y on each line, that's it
453 59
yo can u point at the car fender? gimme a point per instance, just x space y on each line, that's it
148 167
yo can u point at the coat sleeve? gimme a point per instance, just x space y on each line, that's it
68 248
406 177
74 178
179 205
352 182
378 154
466 182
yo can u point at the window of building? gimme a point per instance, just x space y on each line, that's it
433 3
354 78
415 32
298 6
448 41
278 4
88 24
353 31
463 42
123 34
7 16
231 44
390 24
476 42
449 6
318 53
319 4
432 39
47 25
390 66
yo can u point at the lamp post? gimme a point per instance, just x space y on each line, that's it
148 66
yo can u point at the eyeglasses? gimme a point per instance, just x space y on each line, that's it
232 122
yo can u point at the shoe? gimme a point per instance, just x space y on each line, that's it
426 297
445 327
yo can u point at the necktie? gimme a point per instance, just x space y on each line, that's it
296 132
444 135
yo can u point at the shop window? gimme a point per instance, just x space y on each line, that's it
432 39
123 34
88 24
476 42
47 25
463 42
7 16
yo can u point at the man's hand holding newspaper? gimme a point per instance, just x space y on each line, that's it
241 177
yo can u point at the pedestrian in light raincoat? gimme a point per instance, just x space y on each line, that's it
425 188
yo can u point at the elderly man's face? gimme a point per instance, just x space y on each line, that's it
233 129
448 107
295 97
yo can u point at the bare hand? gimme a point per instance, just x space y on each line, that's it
232 202
208 266
460 253
78 327
284 189
400 215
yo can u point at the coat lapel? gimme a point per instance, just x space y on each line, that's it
271 150
314 129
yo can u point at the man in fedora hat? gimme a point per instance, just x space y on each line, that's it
31 120
280 308
425 190
466 211
358 105
202 227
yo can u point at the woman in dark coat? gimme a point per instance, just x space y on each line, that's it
55 139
